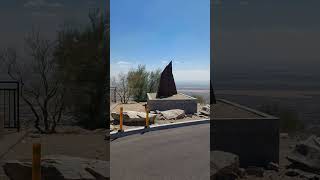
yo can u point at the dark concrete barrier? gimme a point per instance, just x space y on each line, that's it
254 140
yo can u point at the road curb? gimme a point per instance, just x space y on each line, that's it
141 130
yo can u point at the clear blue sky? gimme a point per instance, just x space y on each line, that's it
153 32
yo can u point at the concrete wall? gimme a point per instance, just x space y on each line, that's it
254 140
188 105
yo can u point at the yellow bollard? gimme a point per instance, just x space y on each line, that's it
36 161
121 119
147 117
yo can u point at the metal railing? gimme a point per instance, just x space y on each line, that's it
9 104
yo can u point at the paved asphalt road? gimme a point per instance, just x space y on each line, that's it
172 154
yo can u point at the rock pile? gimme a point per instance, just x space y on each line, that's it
306 155
205 110
224 165
133 117
60 167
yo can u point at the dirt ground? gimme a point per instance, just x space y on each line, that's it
71 141
79 145
131 106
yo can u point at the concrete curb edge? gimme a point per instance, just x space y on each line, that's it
114 135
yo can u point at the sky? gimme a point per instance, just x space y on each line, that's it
154 32
266 40
18 17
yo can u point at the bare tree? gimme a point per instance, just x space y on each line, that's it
122 86
41 91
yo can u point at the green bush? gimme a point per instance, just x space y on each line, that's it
81 57
141 82
200 99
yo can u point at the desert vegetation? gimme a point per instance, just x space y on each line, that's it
200 99
136 84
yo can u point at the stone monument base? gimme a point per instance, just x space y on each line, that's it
178 101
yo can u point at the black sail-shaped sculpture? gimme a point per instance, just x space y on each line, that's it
167 86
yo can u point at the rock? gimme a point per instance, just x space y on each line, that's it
12 167
255 171
160 117
173 114
292 173
202 116
205 110
167 86
153 112
59 167
205 113
112 128
273 166
224 165
241 172
309 176
284 135
133 117
302 174
306 155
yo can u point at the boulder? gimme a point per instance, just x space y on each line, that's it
112 128
284 135
306 155
206 108
273 166
301 174
292 173
205 113
60 167
133 117
224 165
173 114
